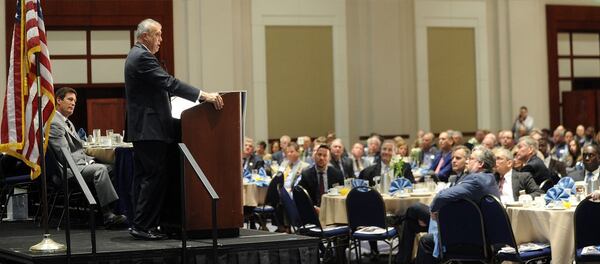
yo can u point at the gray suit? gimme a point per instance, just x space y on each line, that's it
96 173
524 181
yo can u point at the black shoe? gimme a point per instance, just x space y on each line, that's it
115 221
146 235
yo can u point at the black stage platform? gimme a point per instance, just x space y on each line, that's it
119 247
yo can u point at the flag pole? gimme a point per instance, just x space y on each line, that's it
47 245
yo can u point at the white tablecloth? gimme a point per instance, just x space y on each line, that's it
333 208
254 195
542 225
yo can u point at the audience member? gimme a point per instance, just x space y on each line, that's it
250 161
441 165
359 161
373 148
279 156
338 161
474 186
319 178
388 150
511 182
428 151
526 153
591 161
97 175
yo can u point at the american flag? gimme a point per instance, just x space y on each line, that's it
19 131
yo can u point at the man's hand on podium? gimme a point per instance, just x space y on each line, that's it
213 98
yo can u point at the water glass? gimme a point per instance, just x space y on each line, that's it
539 202
96 135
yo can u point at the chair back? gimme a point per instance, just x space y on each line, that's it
290 207
272 197
365 207
587 231
461 232
546 185
498 230
54 171
305 207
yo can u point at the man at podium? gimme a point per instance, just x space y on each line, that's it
150 127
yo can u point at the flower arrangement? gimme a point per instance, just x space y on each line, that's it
397 165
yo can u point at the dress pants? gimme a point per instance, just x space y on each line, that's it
410 228
425 252
150 175
98 175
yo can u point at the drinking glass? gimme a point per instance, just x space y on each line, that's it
96 135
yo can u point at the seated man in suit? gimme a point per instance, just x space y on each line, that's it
428 150
339 161
318 178
591 162
63 135
279 156
388 150
250 161
373 150
359 161
526 153
416 218
479 182
442 165
511 182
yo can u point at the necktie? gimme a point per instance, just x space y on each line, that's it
440 165
589 176
71 126
321 183
501 183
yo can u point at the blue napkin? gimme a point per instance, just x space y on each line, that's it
567 183
359 182
400 184
556 194
247 174
262 183
81 133
262 172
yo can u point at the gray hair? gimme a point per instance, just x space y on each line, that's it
374 139
486 156
144 27
530 142
502 152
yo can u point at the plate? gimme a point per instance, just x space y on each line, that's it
420 194
402 195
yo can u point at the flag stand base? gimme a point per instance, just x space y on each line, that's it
47 245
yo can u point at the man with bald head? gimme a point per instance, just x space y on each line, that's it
428 150
442 165
279 156
339 161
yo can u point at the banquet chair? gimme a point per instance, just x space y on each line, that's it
12 176
266 211
461 233
587 232
291 211
332 237
546 184
499 234
366 210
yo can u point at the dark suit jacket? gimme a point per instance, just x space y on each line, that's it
577 175
148 88
538 170
278 156
346 164
375 170
310 182
255 163
524 181
474 186
446 167
454 179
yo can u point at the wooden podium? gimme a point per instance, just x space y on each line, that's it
214 138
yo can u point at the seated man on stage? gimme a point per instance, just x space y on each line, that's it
320 177
63 135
